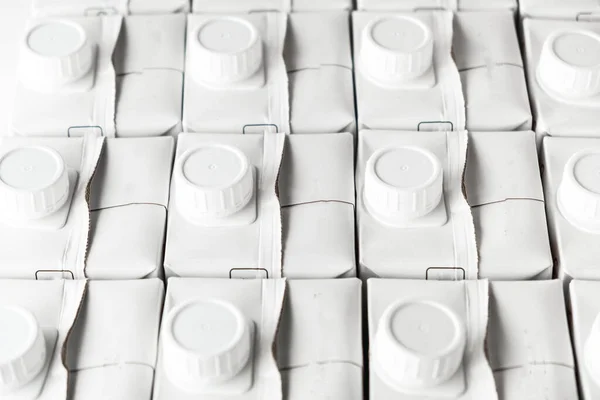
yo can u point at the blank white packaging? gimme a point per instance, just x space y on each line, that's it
413 219
318 59
405 75
36 319
585 325
58 222
528 343
504 189
563 59
581 10
570 168
453 5
199 6
235 76
74 88
427 340
319 340
61 8
217 340
112 349
487 53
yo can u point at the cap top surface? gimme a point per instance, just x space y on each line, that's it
578 49
214 167
55 39
30 168
399 34
19 330
405 168
226 35
587 172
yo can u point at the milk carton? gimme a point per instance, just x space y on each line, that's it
563 74
319 340
528 341
319 63
427 340
454 5
505 192
217 339
413 219
487 54
585 325
74 88
111 351
36 319
235 76
316 191
262 5
570 184
107 7
580 10
405 76
105 226
226 219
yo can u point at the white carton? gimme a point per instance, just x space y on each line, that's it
580 10
128 204
453 5
427 340
570 182
563 75
316 187
319 64
36 320
217 339
235 75
505 192
44 184
487 53
413 219
111 352
405 76
61 8
585 325
66 80
266 5
225 216
528 341
319 340
149 61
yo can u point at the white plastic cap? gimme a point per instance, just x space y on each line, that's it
592 350
569 64
226 50
396 49
206 342
578 194
22 348
403 183
56 53
418 344
34 183
213 181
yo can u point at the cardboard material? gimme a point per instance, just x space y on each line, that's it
556 117
318 59
55 305
248 103
504 189
319 340
585 307
487 54
580 10
107 7
575 250
414 5
528 342
468 301
316 190
128 202
446 250
260 302
113 346
414 105
200 6
73 108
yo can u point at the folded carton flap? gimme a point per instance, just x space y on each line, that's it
487 5
321 323
42 298
150 42
118 324
133 171
317 168
70 149
557 8
316 5
239 6
528 325
501 166
158 6
77 7
317 39
484 39
405 5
